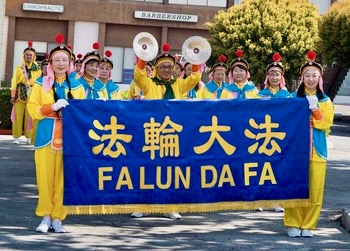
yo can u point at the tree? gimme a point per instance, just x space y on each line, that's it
261 28
335 34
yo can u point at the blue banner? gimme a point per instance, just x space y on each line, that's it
185 156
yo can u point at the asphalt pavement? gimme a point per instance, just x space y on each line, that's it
231 230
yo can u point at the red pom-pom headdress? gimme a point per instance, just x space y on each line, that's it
276 64
221 64
108 53
166 56
96 45
311 55
107 59
239 60
30 47
93 55
311 63
276 57
166 48
59 38
79 58
222 58
239 53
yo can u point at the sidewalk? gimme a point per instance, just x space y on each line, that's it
226 231
342 109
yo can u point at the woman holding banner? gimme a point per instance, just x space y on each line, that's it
300 220
48 97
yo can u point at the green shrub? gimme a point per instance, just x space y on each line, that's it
335 34
6 107
260 28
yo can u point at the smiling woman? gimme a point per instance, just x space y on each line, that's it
48 97
94 88
301 220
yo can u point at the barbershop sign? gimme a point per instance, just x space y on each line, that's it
166 16
43 7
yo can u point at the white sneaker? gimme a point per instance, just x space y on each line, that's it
44 225
16 141
294 232
138 214
174 216
28 141
260 209
57 226
279 209
306 233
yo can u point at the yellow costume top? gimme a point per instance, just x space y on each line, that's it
152 90
19 77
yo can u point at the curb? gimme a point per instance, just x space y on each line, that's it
345 219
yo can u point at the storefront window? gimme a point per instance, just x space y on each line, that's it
123 64
212 3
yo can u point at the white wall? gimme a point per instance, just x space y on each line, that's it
85 34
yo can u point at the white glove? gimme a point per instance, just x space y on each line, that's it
61 103
313 100
101 98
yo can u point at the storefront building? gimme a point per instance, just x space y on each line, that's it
114 24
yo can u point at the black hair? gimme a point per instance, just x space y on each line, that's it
301 92
92 60
69 95
240 66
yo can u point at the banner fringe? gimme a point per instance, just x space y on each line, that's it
186 208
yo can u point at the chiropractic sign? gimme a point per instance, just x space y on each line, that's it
185 156
43 7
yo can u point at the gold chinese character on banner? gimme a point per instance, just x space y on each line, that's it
112 139
215 129
162 138
267 135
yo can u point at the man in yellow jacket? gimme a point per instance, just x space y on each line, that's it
163 85
23 79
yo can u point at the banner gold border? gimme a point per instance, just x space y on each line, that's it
186 208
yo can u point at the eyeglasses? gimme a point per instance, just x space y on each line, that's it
166 67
